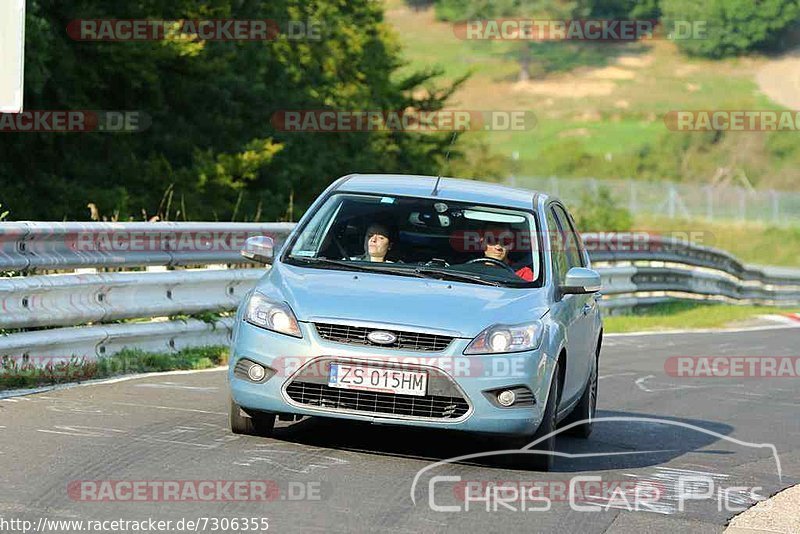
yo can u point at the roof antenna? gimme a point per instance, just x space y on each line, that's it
446 159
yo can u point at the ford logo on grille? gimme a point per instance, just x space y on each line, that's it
382 337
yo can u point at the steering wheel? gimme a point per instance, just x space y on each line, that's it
496 263
436 262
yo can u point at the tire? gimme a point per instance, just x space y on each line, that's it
254 424
541 462
586 408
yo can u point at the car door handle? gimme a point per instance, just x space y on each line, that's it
587 308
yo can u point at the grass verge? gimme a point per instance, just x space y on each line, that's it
32 373
685 315
749 242
600 106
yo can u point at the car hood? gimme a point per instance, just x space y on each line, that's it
463 309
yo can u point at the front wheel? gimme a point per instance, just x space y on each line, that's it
544 459
586 408
253 424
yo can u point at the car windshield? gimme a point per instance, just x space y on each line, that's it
418 237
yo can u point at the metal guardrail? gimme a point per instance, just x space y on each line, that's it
70 299
655 271
91 342
671 250
71 245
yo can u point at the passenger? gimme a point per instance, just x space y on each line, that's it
496 246
377 243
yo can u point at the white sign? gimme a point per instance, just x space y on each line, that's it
12 54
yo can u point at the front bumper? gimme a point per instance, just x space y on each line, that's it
470 376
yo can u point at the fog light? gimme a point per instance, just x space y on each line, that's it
506 398
256 373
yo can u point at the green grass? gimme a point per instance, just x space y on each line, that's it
749 242
685 315
642 81
28 374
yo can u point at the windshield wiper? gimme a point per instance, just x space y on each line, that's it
453 275
354 266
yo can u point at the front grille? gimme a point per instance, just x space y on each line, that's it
357 335
429 406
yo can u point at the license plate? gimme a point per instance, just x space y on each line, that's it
365 378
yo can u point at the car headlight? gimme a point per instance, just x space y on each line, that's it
272 315
501 338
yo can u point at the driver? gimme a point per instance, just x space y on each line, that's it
377 243
496 242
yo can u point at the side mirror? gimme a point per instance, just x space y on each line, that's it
581 281
259 249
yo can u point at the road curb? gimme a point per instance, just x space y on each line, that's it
776 515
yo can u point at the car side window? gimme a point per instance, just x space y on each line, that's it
557 251
572 242
582 254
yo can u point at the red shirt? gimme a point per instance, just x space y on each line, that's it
526 274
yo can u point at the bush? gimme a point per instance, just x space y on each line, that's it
624 9
733 26
598 211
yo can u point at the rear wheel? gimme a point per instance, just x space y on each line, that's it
544 461
250 424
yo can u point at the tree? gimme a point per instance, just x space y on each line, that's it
733 26
210 151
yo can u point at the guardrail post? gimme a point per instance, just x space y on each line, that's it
776 207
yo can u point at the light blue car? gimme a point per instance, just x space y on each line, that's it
423 301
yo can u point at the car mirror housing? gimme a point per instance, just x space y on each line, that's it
580 281
259 249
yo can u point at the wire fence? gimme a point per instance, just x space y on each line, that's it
679 201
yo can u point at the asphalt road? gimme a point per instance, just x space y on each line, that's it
344 477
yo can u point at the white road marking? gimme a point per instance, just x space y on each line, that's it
291 458
83 431
151 439
772 403
191 410
175 385
616 374
794 324
78 408
640 382
20 393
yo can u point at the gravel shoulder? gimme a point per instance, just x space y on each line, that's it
780 80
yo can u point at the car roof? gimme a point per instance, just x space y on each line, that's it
449 189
